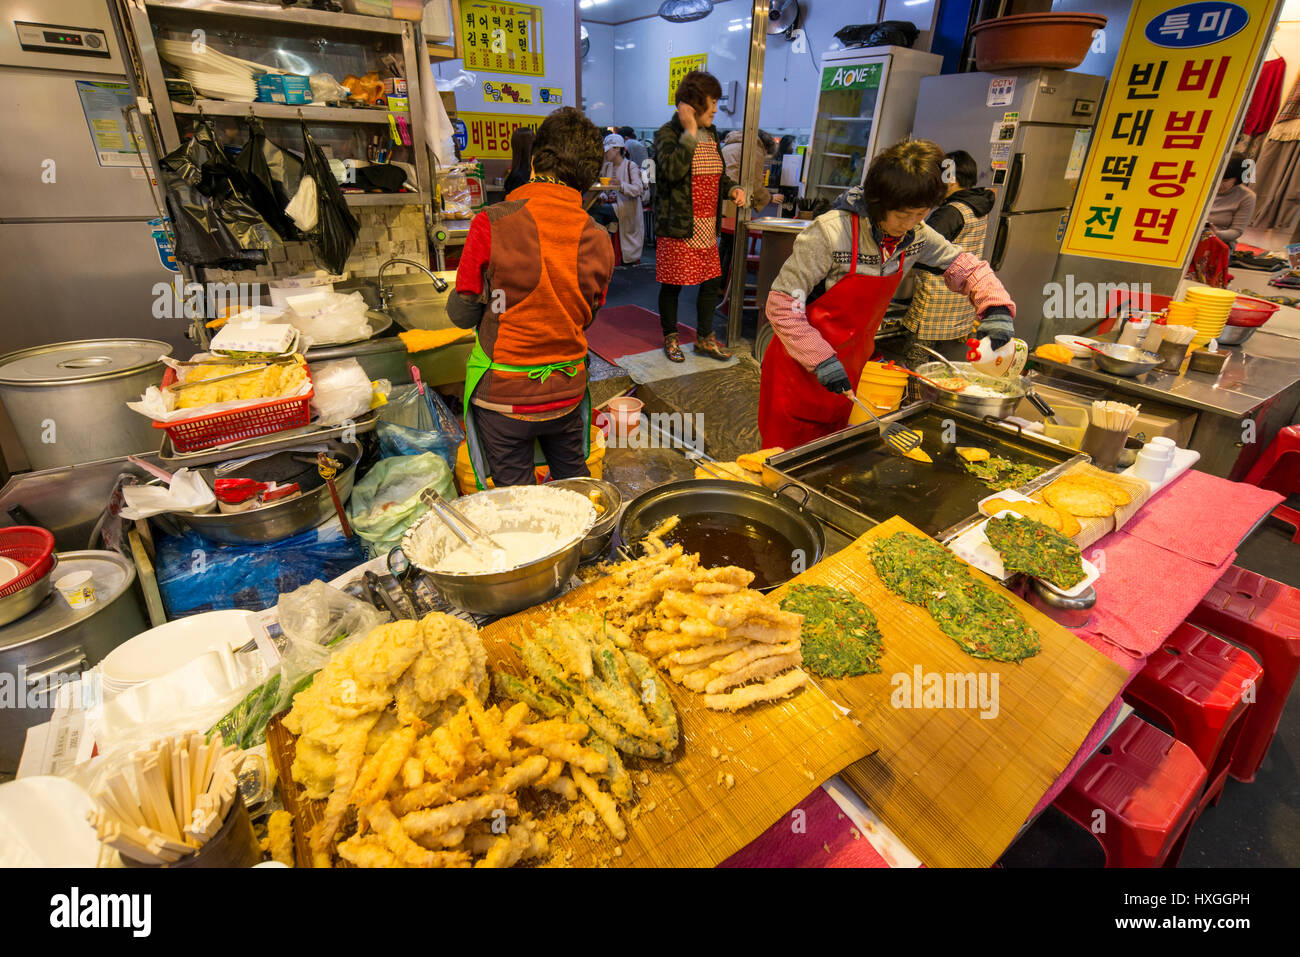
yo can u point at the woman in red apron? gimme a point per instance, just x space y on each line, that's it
857 253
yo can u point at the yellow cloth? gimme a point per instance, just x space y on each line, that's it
420 340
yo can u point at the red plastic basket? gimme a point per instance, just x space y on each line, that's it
1251 313
32 546
220 428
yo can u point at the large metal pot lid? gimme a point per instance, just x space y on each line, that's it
113 575
64 362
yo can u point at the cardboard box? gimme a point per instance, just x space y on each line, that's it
1153 418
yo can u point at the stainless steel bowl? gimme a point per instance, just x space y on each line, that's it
500 593
1236 335
1071 612
596 544
272 523
1124 360
1000 406
13 607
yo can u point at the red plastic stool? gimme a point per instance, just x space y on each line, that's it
1198 684
1146 784
1264 616
1279 469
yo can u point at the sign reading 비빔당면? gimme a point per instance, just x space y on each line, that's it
865 76
502 37
679 66
1178 84
487 135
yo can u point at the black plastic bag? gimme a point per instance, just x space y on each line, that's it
336 228
213 226
898 33
272 176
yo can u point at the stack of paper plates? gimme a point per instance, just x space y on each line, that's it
215 75
162 650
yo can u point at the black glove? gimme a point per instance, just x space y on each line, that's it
997 326
830 373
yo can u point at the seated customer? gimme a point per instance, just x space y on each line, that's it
1233 205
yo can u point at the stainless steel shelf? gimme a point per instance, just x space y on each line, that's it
386 199
281 111
277 14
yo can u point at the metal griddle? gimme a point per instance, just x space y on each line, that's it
854 482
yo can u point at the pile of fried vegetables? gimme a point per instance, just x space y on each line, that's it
394 732
584 669
707 629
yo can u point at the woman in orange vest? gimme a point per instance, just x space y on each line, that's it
827 302
534 271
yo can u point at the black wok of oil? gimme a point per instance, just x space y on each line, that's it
736 540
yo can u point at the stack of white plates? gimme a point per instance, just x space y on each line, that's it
215 75
160 651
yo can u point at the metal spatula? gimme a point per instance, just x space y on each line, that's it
896 436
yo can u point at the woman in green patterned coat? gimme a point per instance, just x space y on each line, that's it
691 185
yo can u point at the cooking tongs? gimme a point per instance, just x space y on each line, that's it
454 519
896 436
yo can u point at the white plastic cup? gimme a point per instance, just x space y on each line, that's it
1150 466
1164 446
77 589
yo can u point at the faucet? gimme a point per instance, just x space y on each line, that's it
439 283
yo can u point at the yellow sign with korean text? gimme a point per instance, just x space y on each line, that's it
507 91
487 135
678 67
502 37
1177 87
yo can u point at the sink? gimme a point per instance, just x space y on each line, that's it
413 301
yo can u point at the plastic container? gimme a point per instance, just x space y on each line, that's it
880 388
1071 422
205 431
30 546
1104 445
1251 312
1151 465
1057 41
77 589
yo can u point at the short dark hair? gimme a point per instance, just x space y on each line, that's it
964 166
569 147
696 88
627 132
1236 166
521 150
907 175
768 140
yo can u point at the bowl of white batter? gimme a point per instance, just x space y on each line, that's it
538 533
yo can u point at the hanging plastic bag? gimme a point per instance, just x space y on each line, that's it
341 390
387 501
411 424
336 229
272 176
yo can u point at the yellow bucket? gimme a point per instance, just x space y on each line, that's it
466 485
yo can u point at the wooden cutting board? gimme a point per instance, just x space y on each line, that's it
690 814
954 786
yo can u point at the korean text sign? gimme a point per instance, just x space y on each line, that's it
488 134
1176 90
678 67
502 37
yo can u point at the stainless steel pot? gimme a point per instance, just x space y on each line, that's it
719 497
272 523
499 593
596 544
67 400
1010 391
56 640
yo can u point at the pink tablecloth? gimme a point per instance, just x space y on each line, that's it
815 834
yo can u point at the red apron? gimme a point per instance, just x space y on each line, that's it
793 407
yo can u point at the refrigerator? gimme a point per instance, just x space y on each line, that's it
866 99
1028 131
81 245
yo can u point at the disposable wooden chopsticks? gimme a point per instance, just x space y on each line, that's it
1113 416
183 790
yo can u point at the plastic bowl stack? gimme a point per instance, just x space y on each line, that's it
1212 308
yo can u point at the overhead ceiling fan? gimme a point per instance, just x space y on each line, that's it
586 41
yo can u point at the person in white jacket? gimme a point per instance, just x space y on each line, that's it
624 193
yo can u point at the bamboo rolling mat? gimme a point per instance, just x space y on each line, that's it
954 786
776 754
1094 529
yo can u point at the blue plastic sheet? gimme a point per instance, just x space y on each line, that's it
197 575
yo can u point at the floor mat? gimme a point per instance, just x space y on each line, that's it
652 365
623 330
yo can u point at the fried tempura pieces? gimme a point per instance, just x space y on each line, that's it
605 806
778 687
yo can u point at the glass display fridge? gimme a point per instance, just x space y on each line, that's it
866 100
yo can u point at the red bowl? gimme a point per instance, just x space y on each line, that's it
1058 41
1251 312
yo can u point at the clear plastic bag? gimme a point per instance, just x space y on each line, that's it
342 390
338 318
387 501
413 423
